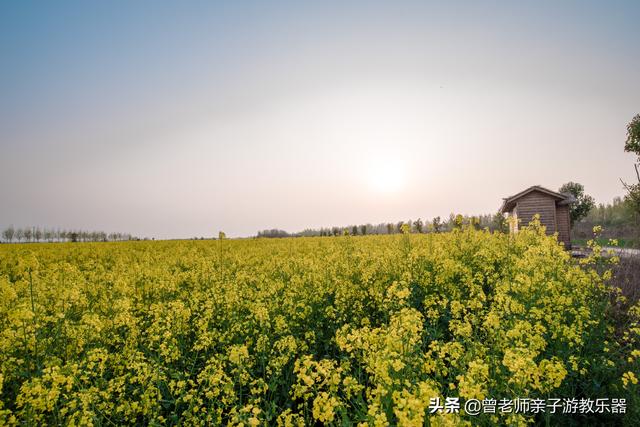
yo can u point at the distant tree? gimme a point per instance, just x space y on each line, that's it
8 234
37 234
28 234
632 145
499 223
389 228
275 232
418 224
221 235
363 229
436 224
583 204
399 226
354 230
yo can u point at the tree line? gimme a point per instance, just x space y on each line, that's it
620 220
495 222
37 234
619 212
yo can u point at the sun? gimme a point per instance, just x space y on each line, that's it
387 177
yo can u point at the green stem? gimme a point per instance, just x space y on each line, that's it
35 319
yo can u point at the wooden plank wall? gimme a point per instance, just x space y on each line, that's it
540 203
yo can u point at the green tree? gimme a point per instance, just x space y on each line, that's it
632 145
583 204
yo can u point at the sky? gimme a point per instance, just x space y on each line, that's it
180 119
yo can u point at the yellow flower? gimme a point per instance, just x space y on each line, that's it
629 378
324 406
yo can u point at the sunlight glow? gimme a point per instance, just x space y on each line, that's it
387 177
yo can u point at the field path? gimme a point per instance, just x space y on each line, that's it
625 252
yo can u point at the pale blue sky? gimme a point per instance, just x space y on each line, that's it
175 120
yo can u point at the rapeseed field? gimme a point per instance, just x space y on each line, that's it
367 330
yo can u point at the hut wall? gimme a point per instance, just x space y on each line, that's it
540 203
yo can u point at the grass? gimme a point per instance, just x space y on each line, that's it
622 243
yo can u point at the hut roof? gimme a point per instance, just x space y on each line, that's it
561 198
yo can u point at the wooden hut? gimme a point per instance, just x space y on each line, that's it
552 207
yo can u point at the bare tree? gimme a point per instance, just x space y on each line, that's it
9 233
37 234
